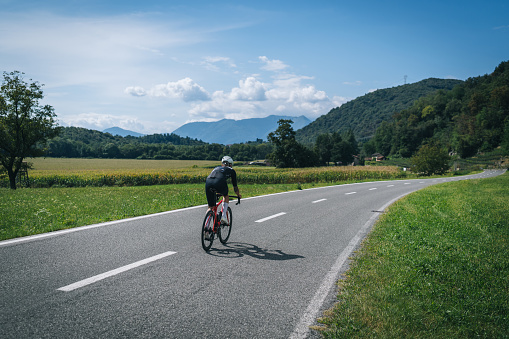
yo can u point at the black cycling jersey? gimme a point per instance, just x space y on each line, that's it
224 172
216 182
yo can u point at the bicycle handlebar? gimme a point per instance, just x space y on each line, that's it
231 196
238 199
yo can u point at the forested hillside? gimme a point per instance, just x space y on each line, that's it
472 118
364 114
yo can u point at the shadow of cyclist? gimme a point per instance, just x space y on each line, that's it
238 250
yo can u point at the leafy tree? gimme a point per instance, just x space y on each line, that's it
337 150
283 138
323 148
287 151
430 159
344 147
350 147
24 124
383 138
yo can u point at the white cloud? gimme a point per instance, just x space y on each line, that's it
272 65
185 89
136 91
102 121
249 90
253 98
211 63
338 100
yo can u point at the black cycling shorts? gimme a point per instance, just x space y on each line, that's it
219 185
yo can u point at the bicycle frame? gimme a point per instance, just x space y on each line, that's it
217 217
212 225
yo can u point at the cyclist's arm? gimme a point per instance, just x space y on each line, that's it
234 183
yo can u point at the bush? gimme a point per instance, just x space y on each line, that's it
430 159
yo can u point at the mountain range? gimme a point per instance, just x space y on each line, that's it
228 131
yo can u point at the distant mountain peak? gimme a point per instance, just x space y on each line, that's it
229 131
122 132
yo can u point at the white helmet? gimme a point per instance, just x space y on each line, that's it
227 160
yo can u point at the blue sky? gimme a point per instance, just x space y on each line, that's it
151 66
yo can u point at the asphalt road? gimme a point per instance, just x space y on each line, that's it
149 277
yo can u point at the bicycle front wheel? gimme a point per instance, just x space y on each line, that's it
225 230
207 236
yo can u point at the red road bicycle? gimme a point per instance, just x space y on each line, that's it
212 225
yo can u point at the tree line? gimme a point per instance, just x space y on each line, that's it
77 142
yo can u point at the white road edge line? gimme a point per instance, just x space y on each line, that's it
87 227
271 217
314 202
301 330
111 273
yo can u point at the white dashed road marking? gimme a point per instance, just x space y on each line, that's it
271 217
111 273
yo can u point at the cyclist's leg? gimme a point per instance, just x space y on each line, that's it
222 188
210 192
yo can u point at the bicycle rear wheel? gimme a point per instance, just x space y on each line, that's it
207 236
225 230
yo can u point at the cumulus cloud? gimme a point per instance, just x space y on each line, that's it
185 89
338 100
249 90
253 98
136 91
272 65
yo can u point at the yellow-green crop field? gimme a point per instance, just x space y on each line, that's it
56 172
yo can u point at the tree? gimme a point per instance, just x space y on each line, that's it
24 124
430 159
287 151
323 147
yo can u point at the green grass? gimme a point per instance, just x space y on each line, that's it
435 266
39 210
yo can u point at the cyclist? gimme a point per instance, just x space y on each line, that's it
216 182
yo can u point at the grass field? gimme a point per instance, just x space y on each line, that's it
435 266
